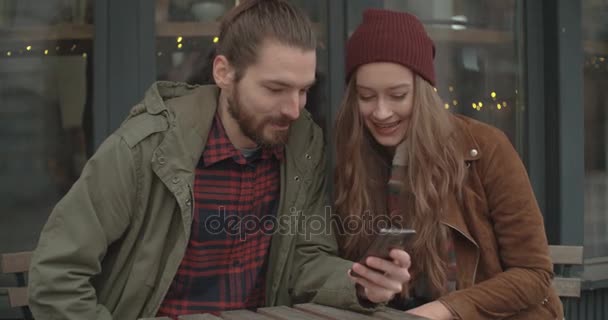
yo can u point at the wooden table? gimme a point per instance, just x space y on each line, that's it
309 311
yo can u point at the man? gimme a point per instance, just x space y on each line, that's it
154 226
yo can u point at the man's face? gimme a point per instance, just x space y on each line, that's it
272 92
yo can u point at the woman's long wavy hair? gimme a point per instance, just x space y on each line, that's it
434 169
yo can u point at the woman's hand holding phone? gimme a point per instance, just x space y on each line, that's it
382 279
384 269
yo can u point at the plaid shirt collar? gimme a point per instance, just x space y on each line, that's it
220 148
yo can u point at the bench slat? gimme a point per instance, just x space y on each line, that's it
198 317
286 313
567 287
243 315
17 297
392 314
15 262
566 254
331 313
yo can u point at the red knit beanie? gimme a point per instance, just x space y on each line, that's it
389 36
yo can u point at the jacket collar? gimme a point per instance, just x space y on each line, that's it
469 145
190 112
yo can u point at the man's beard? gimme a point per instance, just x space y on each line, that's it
253 128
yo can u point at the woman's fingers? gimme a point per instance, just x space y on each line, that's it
379 279
372 291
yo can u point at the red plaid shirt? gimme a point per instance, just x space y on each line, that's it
236 200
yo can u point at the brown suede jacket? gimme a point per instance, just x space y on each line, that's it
504 269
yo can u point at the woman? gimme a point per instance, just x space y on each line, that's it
480 250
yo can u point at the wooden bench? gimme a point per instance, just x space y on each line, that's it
308 311
564 257
17 264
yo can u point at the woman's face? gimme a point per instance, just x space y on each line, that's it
385 92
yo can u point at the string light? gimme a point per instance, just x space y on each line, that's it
493 95
455 102
179 46
28 48
480 104
451 89
46 52
474 105
602 59
504 104
498 106
9 53
447 106
73 47
179 39
84 55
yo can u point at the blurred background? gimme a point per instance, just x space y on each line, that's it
71 69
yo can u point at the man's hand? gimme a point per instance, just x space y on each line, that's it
386 280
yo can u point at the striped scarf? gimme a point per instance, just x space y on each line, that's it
395 186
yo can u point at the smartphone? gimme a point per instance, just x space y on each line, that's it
386 240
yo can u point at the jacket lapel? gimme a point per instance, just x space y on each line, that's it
467 249
190 112
291 204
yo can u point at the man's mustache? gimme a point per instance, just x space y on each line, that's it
281 121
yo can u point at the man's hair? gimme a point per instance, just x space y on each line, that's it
244 28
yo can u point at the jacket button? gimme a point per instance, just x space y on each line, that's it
175 180
188 202
161 160
308 157
297 178
473 152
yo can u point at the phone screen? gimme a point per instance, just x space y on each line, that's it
386 240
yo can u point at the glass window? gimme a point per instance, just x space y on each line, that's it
479 56
595 73
45 112
186 31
